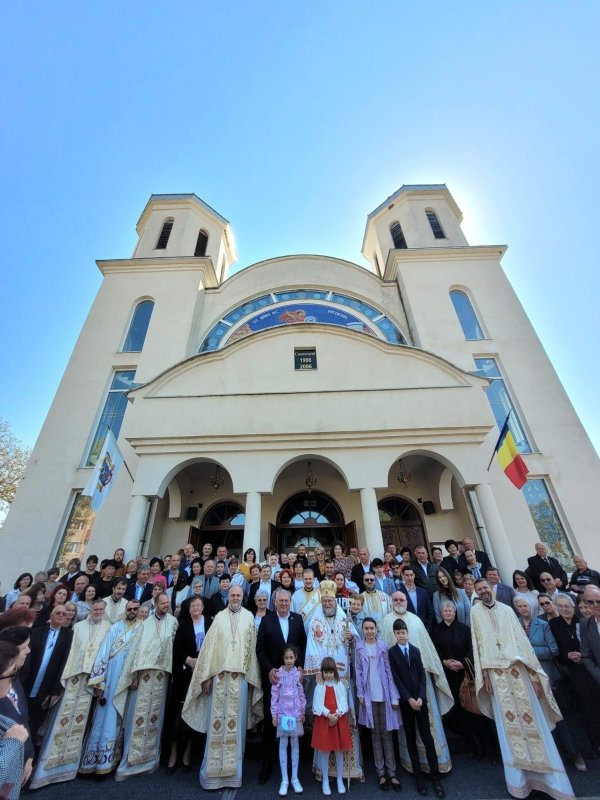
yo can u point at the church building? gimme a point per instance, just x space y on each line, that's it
307 399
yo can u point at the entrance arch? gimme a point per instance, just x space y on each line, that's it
222 524
401 523
310 518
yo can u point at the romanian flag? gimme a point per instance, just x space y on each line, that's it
510 461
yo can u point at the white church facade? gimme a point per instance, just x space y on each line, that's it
306 398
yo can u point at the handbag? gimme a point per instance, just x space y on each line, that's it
287 724
467 696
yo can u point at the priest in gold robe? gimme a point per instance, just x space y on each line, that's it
513 689
439 696
63 743
147 674
225 695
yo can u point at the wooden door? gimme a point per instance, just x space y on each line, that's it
349 537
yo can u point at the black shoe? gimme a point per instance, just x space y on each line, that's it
397 786
186 767
438 789
265 773
421 788
383 784
171 770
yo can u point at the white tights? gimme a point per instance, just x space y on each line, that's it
339 767
283 759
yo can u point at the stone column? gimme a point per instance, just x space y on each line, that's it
495 528
134 529
252 526
372 526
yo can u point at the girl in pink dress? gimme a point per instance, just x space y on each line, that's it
288 705
331 731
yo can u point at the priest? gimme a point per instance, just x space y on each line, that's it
147 676
439 696
225 694
63 743
108 681
306 600
331 633
513 690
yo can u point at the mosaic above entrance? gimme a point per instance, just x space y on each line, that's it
300 307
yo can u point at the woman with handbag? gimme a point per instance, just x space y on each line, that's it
452 640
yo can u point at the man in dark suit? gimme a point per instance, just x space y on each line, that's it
501 592
481 556
424 570
276 631
542 562
590 636
409 676
361 569
418 600
50 645
264 583
139 588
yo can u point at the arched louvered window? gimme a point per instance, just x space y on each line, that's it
201 244
435 224
138 329
165 233
398 236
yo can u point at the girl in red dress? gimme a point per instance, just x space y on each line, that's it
331 731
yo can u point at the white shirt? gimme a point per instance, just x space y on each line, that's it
412 593
50 642
284 624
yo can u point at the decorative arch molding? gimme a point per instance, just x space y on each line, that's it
308 457
172 474
445 501
281 308
434 455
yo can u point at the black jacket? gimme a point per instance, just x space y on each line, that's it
21 716
424 608
537 565
270 644
51 684
357 575
254 587
409 679
146 591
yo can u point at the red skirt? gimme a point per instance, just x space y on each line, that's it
326 737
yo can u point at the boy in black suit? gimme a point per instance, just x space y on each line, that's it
409 676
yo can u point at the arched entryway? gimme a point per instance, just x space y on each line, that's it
401 523
223 524
311 518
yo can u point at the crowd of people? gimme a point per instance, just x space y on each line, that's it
415 655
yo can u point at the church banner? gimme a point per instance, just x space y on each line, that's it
105 472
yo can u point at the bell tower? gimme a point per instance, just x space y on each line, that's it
184 226
414 217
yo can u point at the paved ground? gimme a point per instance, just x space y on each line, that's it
469 780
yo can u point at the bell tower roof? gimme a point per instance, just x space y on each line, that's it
177 199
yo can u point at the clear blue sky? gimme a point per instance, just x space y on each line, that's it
294 120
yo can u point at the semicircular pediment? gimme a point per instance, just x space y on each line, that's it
301 306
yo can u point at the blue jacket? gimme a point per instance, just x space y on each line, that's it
544 644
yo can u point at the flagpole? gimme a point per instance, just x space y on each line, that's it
122 456
496 447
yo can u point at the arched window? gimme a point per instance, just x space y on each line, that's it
201 244
310 508
435 224
164 234
398 236
466 315
139 327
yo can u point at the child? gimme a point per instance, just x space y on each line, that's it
331 730
288 705
378 700
409 676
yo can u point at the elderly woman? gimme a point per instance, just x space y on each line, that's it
578 681
446 590
261 599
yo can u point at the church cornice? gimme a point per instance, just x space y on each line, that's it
162 264
467 253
